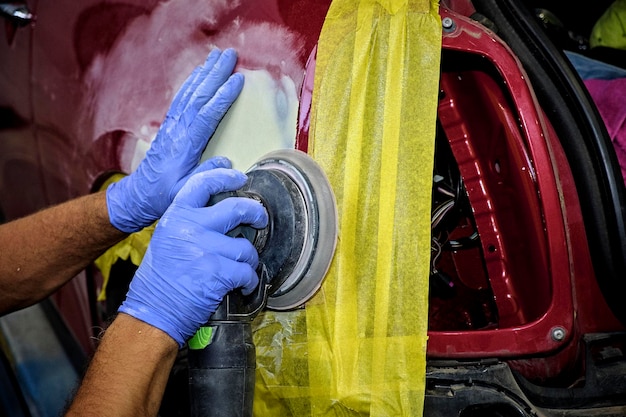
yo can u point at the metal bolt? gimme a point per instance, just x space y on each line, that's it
448 24
558 334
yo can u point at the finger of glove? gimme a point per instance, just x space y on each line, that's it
211 82
231 212
185 150
171 123
205 122
237 275
183 93
236 249
213 163
200 187
201 75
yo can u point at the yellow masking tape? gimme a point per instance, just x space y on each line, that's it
359 346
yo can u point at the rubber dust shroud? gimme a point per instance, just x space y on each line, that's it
297 246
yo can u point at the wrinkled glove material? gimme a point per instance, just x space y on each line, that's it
190 263
132 248
141 198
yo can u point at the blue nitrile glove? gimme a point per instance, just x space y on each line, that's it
190 263
141 198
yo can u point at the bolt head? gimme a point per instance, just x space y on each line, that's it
558 334
447 23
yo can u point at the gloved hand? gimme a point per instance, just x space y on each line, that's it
190 263
141 198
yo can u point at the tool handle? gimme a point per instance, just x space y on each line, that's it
221 376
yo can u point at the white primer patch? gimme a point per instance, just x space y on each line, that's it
262 119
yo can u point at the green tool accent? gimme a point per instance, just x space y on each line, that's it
202 338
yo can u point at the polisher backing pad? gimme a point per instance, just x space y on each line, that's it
297 247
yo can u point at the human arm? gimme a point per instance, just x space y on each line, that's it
189 266
128 374
43 251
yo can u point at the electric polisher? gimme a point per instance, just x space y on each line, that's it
295 252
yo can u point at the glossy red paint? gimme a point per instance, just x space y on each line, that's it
506 203
525 208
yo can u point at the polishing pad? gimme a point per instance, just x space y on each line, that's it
297 246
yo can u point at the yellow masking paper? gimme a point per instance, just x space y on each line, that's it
359 347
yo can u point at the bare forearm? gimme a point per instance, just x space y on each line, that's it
43 251
128 373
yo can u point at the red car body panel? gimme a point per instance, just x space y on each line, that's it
526 211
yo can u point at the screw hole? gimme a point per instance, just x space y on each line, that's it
497 167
